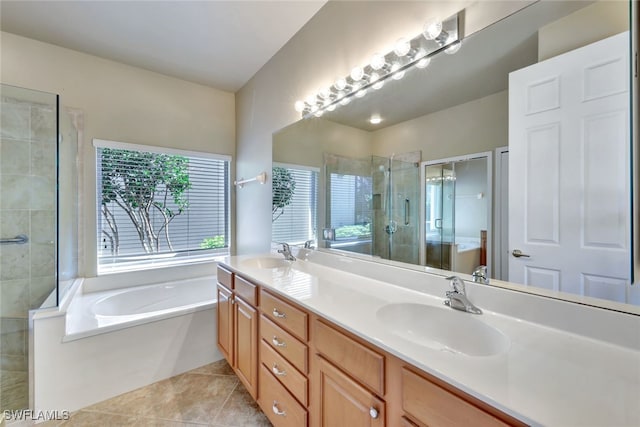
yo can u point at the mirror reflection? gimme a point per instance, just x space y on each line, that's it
513 154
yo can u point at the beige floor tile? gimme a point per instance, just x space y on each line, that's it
241 410
98 419
221 367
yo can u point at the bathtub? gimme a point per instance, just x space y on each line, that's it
98 312
102 342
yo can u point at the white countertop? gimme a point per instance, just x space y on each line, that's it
546 377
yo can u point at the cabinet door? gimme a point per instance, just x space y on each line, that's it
225 323
246 345
344 402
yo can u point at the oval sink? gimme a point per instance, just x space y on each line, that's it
443 329
266 262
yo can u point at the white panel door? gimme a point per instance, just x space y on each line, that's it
569 174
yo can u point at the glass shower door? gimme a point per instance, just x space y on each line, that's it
28 216
440 214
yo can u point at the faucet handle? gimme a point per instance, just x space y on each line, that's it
480 274
309 244
457 284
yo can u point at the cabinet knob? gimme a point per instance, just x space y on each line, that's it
277 410
373 412
277 371
277 342
279 315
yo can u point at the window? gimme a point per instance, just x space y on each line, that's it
159 207
296 221
351 212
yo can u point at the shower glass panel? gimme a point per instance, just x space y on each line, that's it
457 214
396 198
28 227
373 205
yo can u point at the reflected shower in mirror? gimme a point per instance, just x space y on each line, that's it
544 94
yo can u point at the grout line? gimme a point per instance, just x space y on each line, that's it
225 402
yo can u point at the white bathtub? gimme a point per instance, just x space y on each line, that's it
104 342
93 313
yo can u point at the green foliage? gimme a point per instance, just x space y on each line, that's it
283 188
350 231
213 242
140 182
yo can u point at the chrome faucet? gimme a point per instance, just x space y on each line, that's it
457 298
309 244
286 252
480 275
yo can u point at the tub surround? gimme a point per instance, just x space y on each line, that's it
560 355
76 362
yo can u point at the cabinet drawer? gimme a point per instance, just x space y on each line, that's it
284 314
284 343
362 363
284 371
434 406
278 405
246 290
225 277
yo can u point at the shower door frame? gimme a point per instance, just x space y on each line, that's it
488 155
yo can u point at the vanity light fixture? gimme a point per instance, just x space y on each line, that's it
437 36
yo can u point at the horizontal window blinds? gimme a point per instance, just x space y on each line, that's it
295 222
154 206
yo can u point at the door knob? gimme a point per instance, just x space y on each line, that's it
518 254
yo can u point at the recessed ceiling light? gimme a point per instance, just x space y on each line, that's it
375 119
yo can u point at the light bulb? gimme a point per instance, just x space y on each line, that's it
423 63
432 29
377 85
311 100
375 119
319 113
453 48
299 106
331 107
345 100
314 108
361 93
395 74
325 93
377 61
340 84
403 46
357 73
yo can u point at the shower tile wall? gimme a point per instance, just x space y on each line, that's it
27 206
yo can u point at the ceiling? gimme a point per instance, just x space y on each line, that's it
479 69
216 43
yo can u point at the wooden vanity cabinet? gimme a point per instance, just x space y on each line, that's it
306 371
238 327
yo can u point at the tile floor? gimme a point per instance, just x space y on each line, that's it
208 396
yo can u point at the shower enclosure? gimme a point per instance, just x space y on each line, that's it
38 224
373 205
457 204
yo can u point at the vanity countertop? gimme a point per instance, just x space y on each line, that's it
547 376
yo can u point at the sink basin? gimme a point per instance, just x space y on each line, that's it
266 262
443 329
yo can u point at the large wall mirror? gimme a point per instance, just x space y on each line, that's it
514 153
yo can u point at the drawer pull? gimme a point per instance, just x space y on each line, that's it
277 342
373 412
277 371
279 315
277 410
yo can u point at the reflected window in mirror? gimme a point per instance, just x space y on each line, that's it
295 202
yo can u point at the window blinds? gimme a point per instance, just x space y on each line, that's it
296 222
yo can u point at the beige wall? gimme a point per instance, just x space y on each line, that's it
305 142
120 103
341 35
596 22
476 126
